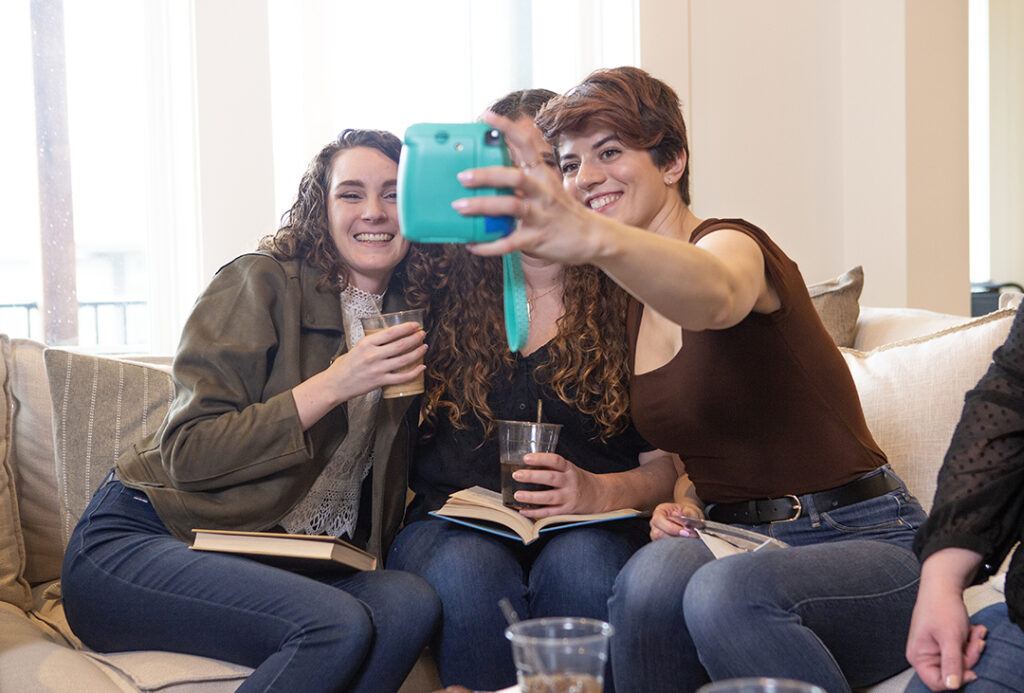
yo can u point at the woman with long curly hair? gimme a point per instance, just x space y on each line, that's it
574 362
277 424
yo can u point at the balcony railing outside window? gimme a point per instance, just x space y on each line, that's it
103 325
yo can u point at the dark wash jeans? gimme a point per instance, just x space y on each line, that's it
1001 667
129 585
569 573
833 610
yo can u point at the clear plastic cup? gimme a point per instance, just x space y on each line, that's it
560 655
376 323
760 685
515 440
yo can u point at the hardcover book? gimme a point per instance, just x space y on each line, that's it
299 550
482 509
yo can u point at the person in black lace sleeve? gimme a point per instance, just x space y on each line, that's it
977 518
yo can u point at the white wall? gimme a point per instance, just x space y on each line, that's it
233 126
839 127
1006 37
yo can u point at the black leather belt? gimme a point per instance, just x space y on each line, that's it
788 508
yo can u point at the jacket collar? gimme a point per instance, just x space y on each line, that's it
321 310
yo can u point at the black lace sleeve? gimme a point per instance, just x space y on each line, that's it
979 503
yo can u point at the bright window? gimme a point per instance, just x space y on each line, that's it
133 218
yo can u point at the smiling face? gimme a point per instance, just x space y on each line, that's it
616 180
362 216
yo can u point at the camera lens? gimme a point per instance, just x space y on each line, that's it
492 137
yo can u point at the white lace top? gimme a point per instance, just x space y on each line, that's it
332 503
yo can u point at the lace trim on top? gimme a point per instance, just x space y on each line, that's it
331 506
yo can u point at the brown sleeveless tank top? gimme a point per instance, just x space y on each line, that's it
762 409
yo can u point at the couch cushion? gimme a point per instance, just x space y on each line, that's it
32 452
100 407
838 304
32 660
913 392
144 670
13 586
880 326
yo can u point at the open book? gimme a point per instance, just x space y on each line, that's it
286 550
482 509
726 540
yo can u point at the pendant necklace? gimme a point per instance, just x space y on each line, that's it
531 301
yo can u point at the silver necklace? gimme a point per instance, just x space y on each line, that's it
530 302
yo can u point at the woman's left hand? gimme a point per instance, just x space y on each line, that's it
573 490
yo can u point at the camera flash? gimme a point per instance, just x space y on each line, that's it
458 146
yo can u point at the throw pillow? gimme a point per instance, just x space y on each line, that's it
100 407
13 587
837 303
32 462
913 392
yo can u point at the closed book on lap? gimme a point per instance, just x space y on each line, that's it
285 550
482 509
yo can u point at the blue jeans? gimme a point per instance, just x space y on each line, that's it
1001 667
569 573
834 609
129 585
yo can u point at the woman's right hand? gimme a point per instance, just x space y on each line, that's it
388 357
669 520
551 223
383 358
943 646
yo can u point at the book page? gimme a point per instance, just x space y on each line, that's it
574 519
717 546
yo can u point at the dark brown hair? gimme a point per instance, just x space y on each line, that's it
525 102
304 231
586 364
587 361
642 111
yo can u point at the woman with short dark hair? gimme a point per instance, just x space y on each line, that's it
732 370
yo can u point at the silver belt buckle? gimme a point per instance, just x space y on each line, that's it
797 508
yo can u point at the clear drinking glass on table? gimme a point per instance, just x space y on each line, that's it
760 685
560 655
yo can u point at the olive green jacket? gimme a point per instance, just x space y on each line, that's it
231 453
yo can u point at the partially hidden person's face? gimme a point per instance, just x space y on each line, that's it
362 215
613 179
537 152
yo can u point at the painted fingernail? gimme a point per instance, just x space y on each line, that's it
465 176
460 204
952 682
518 476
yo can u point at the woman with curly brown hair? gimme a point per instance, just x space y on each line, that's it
277 424
575 363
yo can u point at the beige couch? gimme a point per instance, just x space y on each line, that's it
65 416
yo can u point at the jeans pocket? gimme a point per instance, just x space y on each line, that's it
879 513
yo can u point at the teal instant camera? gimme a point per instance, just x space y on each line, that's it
432 155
